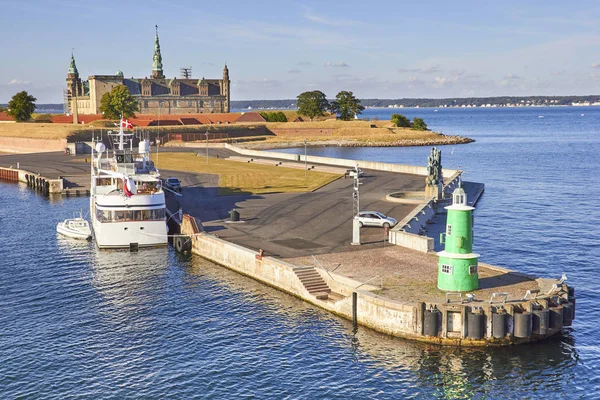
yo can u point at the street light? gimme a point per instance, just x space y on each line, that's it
305 162
206 146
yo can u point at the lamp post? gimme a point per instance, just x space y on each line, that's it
305 162
206 134
158 134
356 211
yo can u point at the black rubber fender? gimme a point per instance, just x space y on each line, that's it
178 243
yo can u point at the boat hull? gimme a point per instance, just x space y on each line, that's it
63 230
115 235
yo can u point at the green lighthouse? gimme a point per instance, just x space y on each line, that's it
457 264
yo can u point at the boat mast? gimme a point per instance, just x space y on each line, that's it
121 137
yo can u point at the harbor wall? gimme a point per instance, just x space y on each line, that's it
409 231
384 315
28 177
29 145
396 318
340 162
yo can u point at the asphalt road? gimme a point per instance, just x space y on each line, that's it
292 224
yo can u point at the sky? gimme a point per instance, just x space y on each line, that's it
278 49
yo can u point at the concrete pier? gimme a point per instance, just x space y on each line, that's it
293 243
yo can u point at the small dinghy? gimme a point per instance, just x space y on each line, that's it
76 228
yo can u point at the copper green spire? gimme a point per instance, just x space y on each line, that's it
157 67
72 66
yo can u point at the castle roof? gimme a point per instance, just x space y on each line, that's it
72 66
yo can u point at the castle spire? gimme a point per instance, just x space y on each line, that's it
157 67
72 66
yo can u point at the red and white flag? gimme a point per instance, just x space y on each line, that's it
126 124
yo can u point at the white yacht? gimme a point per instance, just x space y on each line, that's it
127 201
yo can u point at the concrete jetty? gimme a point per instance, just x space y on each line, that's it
300 244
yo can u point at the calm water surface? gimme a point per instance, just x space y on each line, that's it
76 322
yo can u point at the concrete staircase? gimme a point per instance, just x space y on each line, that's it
313 282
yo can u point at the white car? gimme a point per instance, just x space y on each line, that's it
374 218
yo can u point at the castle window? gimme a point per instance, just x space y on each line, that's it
448 230
472 269
447 269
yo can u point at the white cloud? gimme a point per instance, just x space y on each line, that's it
324 20
511 77
18 82
428 70
339 64
294 71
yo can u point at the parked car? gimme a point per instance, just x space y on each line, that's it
374 218
174 184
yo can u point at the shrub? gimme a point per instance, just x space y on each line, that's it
274 116
419 125
400 121
43 118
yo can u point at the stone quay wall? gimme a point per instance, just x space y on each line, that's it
28 145
384 315
412 320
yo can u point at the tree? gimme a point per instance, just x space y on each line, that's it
280 117
274 116
312 104
419 125
118 102
346 105
21 106
400 121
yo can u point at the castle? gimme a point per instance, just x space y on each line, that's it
156 94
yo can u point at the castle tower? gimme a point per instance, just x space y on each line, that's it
226 85
457 264
73 81
157 67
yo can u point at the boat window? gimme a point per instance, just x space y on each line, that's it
158 214
124 158
103 182
130 215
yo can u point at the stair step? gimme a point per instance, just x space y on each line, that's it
321 295
299 269
317 288
316 283
311 279
303 273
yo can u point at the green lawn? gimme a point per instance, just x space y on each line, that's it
237 177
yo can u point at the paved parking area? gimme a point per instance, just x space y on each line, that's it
292 224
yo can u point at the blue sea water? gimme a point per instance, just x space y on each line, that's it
76 322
